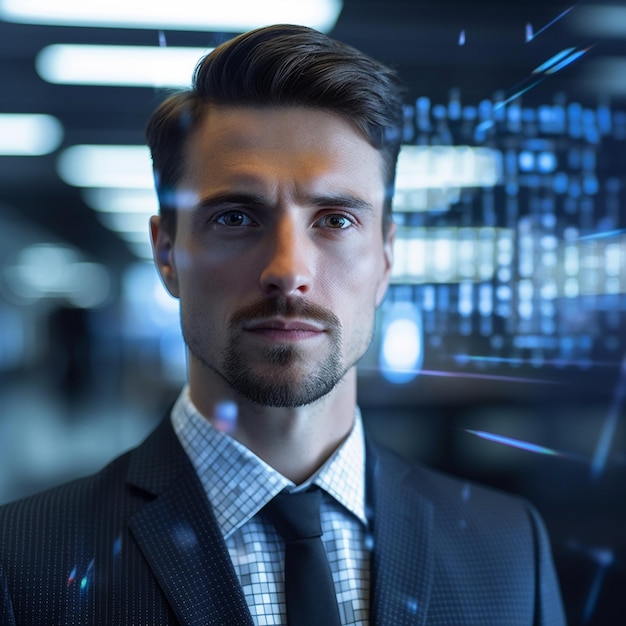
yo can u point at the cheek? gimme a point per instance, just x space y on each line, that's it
211 267
364 272
356 288
209 291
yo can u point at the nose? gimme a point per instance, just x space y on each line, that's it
287 271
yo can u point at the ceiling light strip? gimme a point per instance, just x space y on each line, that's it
232 16
125 66
29 134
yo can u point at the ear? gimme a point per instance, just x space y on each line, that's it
390 237
163 253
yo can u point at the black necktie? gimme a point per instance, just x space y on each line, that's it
309 589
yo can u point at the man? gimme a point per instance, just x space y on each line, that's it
275 175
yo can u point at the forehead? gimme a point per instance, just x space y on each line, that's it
301 143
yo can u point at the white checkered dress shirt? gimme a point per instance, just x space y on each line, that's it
239 484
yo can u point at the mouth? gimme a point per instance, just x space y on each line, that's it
277 329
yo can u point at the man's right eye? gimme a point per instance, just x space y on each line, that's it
234 218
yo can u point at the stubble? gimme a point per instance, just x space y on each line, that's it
275 375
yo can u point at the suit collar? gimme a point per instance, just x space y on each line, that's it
227 469
402 560
177 532
179 537
156 464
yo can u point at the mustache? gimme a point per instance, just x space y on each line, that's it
284 307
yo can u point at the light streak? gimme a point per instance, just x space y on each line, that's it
462 38
495 377
604 558
464 358
519 93
553 60
523 445
484 125
570 59
509 379
117 546
551 23
610 424
604 235
553 65
529 32
85 580
162 40
72 576
514 443
594 592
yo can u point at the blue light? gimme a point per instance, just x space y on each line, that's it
117 546
514 113
558 117
526 161
604 119
588 160
454 109
546 162
470 112
590 185
560 183
515 443
485 109
423 104
574 188
439 112
510 161
412 605
402 347
575 111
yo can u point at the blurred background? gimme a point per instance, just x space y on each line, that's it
500 351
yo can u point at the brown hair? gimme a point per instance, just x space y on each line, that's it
279 65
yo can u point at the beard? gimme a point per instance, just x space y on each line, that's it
281 387
277 376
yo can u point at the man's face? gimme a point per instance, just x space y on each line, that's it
279 262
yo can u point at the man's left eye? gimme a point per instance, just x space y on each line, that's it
336 221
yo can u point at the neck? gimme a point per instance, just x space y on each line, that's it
294 441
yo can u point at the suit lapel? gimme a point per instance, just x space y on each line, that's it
180 539
402 565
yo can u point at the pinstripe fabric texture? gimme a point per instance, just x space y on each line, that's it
138 544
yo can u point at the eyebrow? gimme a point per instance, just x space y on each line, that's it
341 201
235 198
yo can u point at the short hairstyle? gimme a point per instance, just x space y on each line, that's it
282 65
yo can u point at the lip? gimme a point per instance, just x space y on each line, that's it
284 325
285 330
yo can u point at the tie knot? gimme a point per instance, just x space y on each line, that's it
296 516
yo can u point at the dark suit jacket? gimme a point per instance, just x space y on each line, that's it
137 543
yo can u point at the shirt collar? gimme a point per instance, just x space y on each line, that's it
239 484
